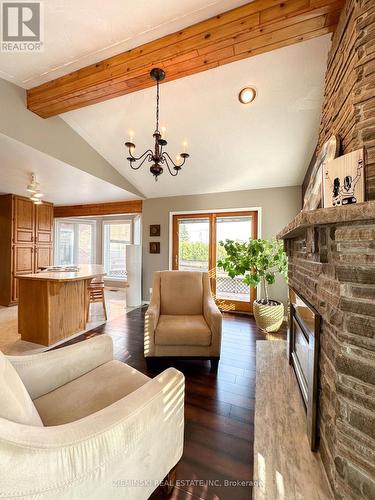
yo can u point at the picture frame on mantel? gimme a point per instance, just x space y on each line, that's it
154 247
344 180
154 229
314 192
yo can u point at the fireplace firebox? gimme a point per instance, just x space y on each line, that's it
303 353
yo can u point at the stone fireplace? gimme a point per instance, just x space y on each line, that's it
332 265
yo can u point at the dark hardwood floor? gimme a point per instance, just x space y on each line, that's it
219 407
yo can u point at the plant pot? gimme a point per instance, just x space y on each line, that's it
268 315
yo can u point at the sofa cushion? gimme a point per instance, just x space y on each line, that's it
181 292
15 402
182 330
89 393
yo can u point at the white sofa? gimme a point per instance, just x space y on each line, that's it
182 319
76 424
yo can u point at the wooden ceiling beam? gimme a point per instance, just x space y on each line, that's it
98 209
252 29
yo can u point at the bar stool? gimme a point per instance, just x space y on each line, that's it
95 292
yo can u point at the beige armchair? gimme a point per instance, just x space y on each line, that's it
75 424
182 319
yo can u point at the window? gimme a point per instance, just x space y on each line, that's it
75 242
116 235
196 246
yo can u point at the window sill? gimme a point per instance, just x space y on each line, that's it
110 278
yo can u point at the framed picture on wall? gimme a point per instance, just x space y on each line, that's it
154 229
154 246
344 180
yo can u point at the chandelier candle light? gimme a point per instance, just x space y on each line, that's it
157 157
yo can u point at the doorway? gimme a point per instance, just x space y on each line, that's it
196 247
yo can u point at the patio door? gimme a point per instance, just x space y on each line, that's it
196 247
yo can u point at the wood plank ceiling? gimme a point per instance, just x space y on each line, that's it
252 29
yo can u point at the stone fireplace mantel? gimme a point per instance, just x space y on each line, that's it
322 216
331 264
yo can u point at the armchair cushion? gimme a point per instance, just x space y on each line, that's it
89 393
182 330
15 402
181 292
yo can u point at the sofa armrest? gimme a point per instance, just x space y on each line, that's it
43 372
121 451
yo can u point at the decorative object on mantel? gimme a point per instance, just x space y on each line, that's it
313 195
154 229
158 157
33 188
154 246
257 262
344 180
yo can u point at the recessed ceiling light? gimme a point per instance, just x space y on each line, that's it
247 95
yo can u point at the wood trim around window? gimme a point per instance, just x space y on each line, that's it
225 305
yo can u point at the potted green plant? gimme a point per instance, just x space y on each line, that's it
258 261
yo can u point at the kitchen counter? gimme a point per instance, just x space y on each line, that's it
85 272
53 304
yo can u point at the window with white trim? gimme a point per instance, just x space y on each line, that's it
116 235
74 242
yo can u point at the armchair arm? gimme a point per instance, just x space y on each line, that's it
118 452
213 317
152 317
45 371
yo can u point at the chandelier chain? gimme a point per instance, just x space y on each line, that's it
157 106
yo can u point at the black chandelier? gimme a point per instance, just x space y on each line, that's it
158 157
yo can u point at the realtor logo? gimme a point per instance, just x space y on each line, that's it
21 26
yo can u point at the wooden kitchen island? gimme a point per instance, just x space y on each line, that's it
53 305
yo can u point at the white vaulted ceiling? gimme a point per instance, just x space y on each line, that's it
268 143
233 146
83 32
61 183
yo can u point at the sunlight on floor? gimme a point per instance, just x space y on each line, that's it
115 305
